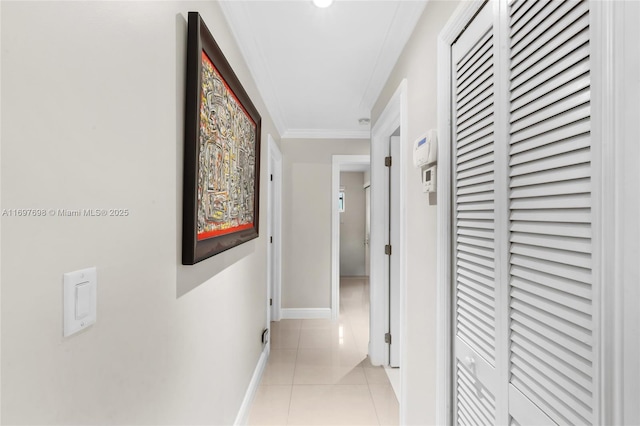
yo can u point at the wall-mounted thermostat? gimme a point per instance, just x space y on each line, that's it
429 179
425 149
425 157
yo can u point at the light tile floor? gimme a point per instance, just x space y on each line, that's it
318 372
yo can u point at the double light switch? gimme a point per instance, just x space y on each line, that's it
80 300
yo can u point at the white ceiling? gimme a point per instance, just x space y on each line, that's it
320 70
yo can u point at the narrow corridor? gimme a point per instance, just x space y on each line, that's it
318 372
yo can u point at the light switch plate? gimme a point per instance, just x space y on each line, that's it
80 300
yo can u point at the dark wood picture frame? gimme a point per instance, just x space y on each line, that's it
226 159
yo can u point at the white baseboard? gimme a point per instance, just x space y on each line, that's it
245 408
306 313
394 378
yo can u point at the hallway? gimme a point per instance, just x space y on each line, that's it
318 372
518 273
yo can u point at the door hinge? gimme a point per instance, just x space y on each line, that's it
387 338
271 240
387 249
387 161
271 177
270 302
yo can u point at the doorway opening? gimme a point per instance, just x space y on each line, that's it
354 281
341 163
353 230
388 230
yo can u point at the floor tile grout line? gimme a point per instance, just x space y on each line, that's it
375 407
353 314
293 377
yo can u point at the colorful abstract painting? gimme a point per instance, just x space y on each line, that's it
221 180
227 159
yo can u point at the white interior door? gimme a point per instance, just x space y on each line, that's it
394 260
271 254
553 333
475 273
367 231
274 221
525 317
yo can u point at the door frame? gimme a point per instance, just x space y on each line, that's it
338 163
274 229
394 211
394 116
616 201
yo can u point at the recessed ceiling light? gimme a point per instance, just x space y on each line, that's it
364 121
322 3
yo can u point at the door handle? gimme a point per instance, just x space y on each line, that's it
471 363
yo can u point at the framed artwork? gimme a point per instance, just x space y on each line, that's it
221 152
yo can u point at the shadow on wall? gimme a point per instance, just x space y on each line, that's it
190 277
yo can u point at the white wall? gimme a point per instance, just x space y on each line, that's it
306 218
92 102
352 226
418 65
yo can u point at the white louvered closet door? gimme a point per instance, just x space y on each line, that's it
473 75
551 359
525 340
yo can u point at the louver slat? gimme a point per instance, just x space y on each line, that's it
475 60
565 96
537 6
519 8
474 241
550 293
553 242
569 187
546 29
563 146
479 278
569 65
542 203
556 71
566 229
476 108
553 268
477 143
578 129
478 73
482 292
473 180
579 292
476 171
557 169
561 365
